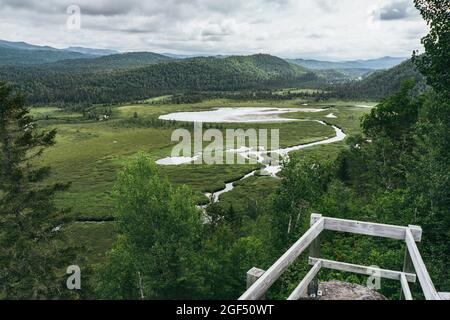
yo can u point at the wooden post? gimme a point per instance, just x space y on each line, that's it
314 252
253 275
408 266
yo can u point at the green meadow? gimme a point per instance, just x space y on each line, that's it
89 153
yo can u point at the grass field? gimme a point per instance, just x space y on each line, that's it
89 153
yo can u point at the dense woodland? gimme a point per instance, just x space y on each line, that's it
115 79
75 80
381 84
396 172
62 86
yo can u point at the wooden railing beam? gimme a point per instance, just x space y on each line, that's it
368 271
303 286
260 287
370 229
419 266
258 281
405 287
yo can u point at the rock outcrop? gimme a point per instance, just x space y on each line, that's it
337 290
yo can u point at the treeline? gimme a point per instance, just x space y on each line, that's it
267 94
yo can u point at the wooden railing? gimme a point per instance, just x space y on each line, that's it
259 281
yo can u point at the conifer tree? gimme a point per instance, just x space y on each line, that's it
31 255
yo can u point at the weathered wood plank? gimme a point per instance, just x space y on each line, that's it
371 229
260 287
354 268
422 274
303 286
405 287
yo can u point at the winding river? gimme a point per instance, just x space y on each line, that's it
247 115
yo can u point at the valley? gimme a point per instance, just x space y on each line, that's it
89 153
207 150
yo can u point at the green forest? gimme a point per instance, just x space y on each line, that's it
79 184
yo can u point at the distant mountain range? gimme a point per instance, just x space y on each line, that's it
24 46
183 56
179 56
22 53
373 64
90 51
83 75
112 62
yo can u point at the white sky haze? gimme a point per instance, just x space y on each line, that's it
321 29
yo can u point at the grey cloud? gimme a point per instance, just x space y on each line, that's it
46 7
134 30
294 27
398 10
218 30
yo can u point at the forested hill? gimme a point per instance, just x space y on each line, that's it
50 86
110 62
381 84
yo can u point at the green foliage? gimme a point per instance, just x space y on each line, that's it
159 229
389 137
164 251
430 174
32 255
435 63
226 257
304 182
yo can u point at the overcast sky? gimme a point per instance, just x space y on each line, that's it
332 29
